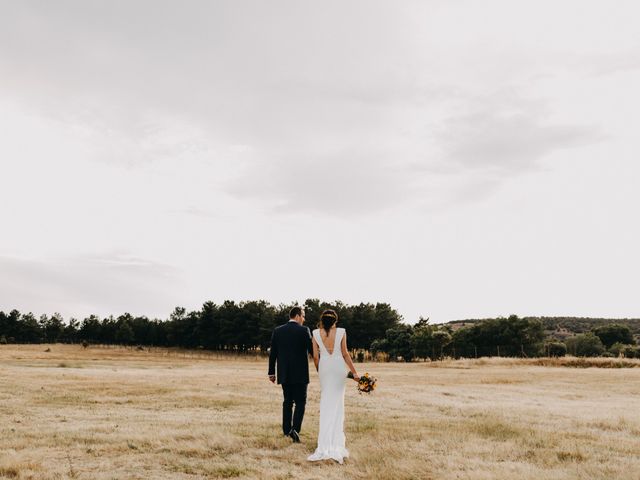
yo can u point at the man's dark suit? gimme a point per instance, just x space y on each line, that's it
290 349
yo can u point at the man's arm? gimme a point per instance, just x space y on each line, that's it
273 354
309 342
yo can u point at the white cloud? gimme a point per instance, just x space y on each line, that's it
504 136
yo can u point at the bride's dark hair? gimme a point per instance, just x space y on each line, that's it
327 319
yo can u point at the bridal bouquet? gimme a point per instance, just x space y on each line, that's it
367 383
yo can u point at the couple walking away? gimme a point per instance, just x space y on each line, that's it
291 345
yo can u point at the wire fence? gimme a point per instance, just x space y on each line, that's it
358 355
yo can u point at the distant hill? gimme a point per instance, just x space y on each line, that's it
562 327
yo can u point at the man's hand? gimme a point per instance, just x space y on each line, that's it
272 378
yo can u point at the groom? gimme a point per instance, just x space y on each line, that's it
290 349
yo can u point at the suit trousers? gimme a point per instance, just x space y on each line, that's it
293 394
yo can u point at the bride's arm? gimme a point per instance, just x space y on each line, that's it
347 357
316 354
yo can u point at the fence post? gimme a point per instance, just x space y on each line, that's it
498 349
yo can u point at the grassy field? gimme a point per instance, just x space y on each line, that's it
123 414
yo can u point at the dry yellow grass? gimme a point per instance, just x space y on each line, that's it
124 414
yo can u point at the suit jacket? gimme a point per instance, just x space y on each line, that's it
290 350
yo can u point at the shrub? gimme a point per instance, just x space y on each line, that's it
3 340
630 351
379 345
616 348
556 349
585 345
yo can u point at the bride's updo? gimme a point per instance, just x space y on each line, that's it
328 320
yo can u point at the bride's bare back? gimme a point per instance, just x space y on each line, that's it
328 340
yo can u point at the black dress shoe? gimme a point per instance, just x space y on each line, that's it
294 436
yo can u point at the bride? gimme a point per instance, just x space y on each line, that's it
331 359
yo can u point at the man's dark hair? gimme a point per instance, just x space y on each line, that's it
295 311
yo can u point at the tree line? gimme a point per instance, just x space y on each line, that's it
374 328
244 326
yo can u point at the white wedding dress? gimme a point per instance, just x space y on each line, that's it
332 371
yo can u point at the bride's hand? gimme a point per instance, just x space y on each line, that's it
356 377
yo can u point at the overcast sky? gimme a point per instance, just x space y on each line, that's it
457 159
